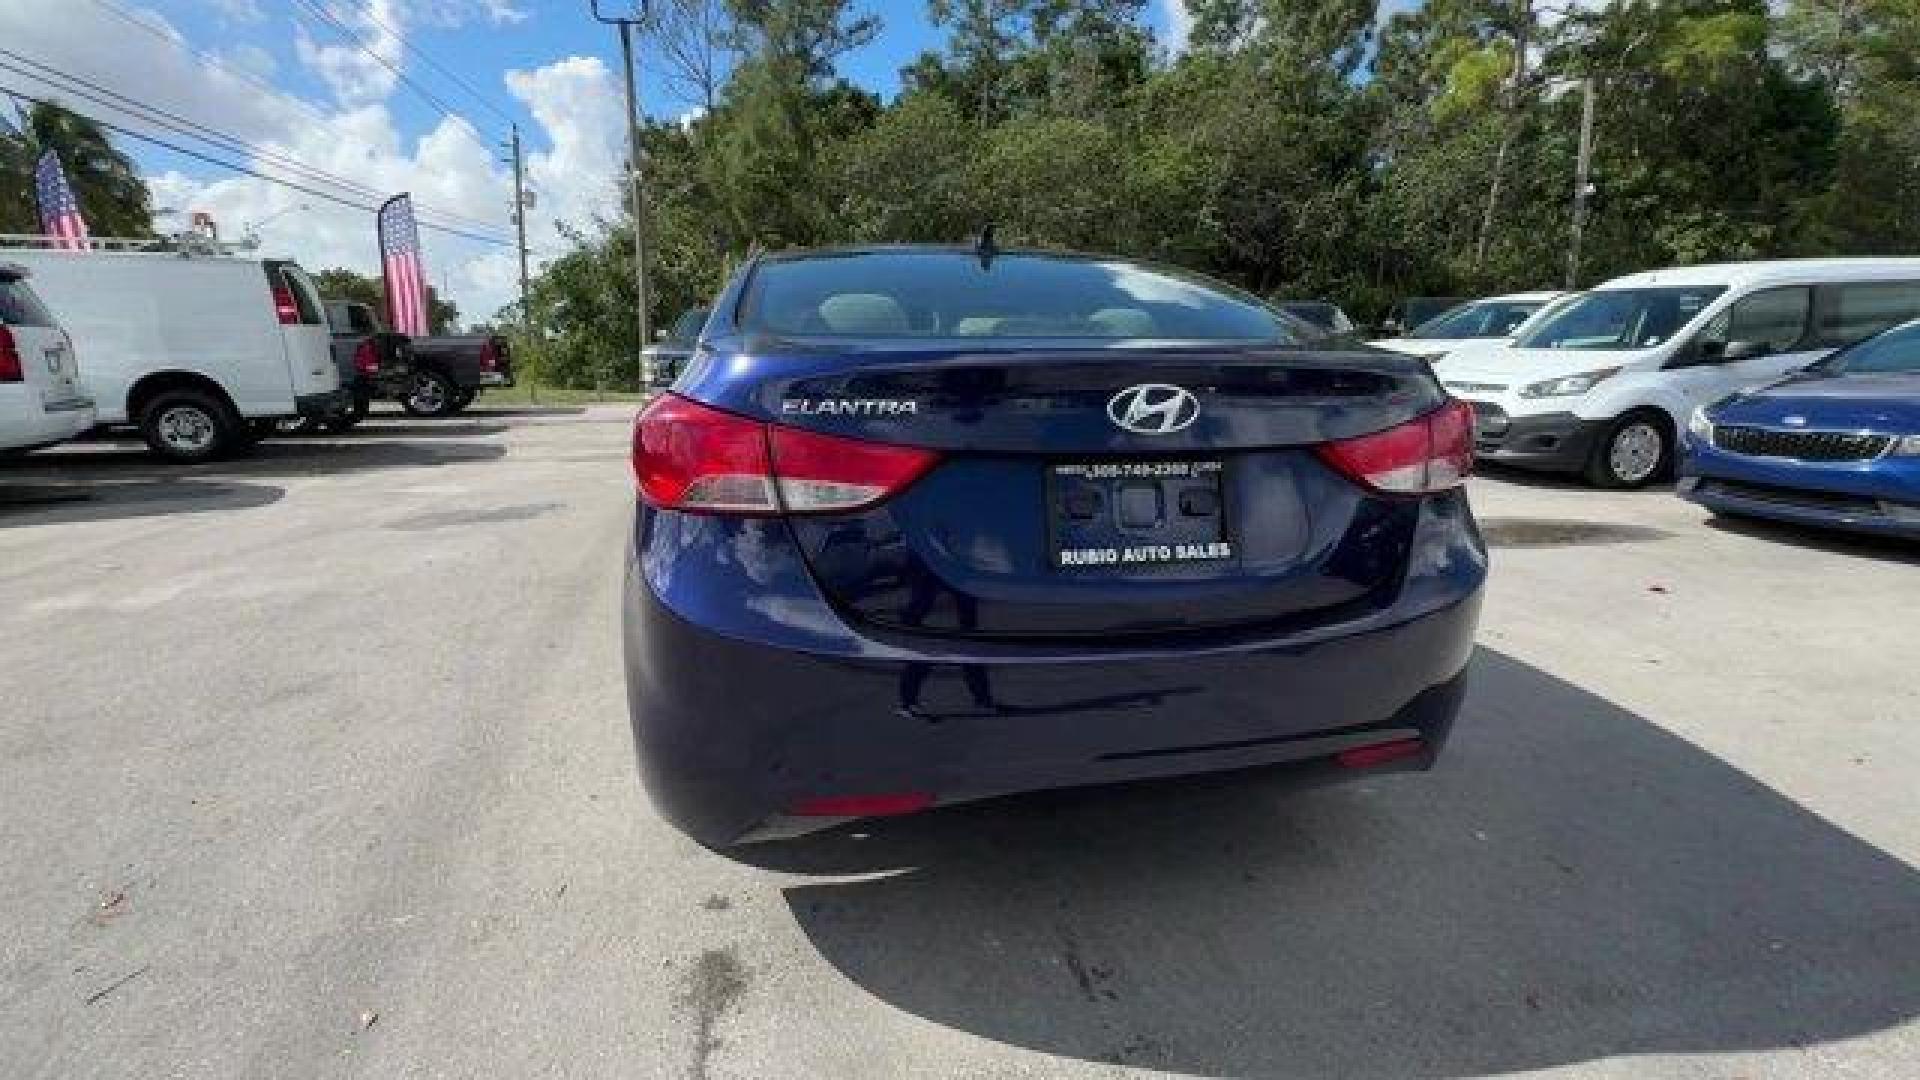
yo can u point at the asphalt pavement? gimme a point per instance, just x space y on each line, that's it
316 764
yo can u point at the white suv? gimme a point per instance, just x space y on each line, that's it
41 402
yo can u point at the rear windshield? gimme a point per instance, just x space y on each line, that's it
893 294
1486 319
1621 318
19 306
1896 351
688 325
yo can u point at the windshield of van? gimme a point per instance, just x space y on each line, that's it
893 294
1621 318
1482 319
1896 351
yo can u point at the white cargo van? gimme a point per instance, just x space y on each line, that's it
200 352
41 402
1603 384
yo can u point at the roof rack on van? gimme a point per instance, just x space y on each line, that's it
185 244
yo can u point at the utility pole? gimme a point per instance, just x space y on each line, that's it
626 26
521 202
1582 188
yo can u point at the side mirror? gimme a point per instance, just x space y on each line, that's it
1743 350
660 333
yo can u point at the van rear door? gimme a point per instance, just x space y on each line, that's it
303 328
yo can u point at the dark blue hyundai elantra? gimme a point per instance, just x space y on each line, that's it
921 525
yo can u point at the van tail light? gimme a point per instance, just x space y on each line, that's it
691 457
489 356
1430 453
10 370
284 307
366 359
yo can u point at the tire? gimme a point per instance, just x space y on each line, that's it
464 398
190 426
1632 452
432 394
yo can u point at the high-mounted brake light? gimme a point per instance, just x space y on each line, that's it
1431 453
284 308
366 359
688 456
10 369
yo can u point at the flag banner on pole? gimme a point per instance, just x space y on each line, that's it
59 210
406 274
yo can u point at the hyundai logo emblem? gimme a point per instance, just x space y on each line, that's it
1153 408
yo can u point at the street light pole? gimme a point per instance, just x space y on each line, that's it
1582 187
626 26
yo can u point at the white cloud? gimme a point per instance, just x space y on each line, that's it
573 165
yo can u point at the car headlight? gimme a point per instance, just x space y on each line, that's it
1567 385
1908 446
1699 426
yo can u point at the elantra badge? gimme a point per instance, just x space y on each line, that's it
1153 409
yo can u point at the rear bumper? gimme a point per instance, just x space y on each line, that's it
496 378
320 405
1558 442
28 423
733 727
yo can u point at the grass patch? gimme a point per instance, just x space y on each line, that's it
529 394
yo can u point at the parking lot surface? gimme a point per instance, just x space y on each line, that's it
316 763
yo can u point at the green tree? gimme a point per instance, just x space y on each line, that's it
338 284
113 197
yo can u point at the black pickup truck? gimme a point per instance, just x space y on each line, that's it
450 370
373 364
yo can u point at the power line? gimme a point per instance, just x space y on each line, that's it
172 121
452 75
115 7
211 160
315 8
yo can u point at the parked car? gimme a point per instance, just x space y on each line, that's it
1494 318
41 399
666 358
1836 445
938 525
1604 385
1323 315
451 370
1410 313
203 353
373 364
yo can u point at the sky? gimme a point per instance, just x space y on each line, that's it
390 95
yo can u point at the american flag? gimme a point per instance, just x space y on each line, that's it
59 210
406 274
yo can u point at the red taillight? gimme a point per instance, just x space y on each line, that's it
1431 453
1362 757
687 456
366 359
489 357
884 805
284 308
10 370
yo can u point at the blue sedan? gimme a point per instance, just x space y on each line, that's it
1836 445
921 525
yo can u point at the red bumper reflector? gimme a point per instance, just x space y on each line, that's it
903 802
1362 757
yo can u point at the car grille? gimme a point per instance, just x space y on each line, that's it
1800 445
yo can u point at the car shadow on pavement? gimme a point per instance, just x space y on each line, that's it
288 457
1572 883
53 503
1838 542
459 428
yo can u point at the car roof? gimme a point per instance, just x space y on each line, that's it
1540 296
1776 271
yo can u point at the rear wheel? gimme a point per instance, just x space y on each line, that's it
432 394
347 418
1633 450
464 398
189 426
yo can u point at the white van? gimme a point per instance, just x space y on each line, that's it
1603 384
201 352
41 402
